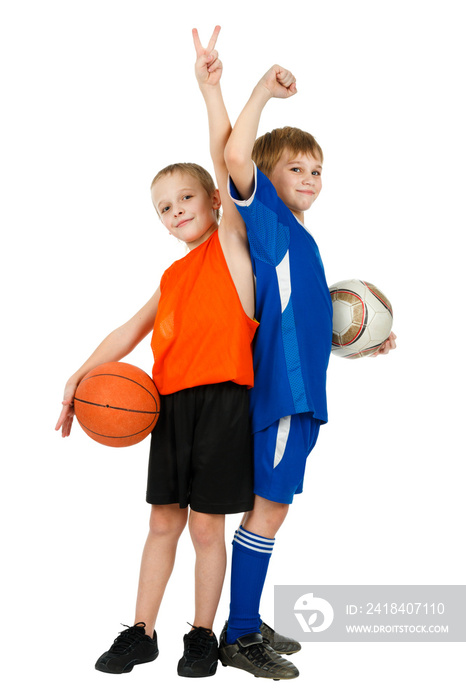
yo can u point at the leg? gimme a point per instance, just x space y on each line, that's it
280 454
266 518
166 525
208 537
138 644
242 643
252 548
200 656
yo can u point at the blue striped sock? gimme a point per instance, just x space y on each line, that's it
249 564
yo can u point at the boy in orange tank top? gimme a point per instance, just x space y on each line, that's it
188 203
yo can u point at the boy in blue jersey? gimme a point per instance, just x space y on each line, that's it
273 181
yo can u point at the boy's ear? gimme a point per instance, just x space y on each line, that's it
216 201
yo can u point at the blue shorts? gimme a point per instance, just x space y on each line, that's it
280 454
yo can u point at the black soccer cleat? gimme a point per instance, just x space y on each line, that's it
279 643
200 656
253 655
132 646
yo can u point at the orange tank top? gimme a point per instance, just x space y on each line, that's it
202 335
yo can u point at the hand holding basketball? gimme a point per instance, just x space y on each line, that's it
117 404
65 419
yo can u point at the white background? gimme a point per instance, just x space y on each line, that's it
97 97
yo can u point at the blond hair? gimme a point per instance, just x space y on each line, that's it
268 148
193 169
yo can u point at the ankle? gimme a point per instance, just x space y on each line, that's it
206 627
148 629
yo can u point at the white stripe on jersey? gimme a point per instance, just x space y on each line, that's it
282 439
284 280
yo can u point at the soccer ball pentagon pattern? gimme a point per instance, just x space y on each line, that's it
362 318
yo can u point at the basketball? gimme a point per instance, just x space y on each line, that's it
117 404
362 318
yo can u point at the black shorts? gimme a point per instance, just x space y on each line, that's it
201 453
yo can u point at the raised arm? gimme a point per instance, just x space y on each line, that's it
277 82
208 70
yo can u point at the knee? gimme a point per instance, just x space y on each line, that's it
276 517
167 521
206 530
266 521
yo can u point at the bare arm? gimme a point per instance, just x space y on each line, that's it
208 70
277 82
232 229
113 348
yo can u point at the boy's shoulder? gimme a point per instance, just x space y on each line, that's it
264 193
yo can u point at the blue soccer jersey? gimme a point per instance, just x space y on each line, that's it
293 306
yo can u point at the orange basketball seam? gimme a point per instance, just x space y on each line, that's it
114 437
118 376
115 412
116 408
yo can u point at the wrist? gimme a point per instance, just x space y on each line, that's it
261 93
74 380
207 89
70 388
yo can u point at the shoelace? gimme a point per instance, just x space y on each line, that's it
126 638
197 641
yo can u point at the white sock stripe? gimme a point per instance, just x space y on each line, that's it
252 543
249 546
245 533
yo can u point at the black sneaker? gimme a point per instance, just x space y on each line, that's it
251 653
200 656
279 643
132 646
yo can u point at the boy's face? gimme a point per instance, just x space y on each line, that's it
297 180
185 208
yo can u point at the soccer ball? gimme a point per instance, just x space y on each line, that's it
362 318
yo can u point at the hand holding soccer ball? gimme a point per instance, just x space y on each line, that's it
362 320
385 348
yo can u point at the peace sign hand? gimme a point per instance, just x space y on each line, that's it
208 67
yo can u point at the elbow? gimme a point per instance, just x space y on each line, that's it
234 159
239 166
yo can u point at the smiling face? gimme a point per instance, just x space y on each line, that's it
297 179
185 208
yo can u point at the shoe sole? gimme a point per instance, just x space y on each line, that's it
129 666
259 675
188 673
